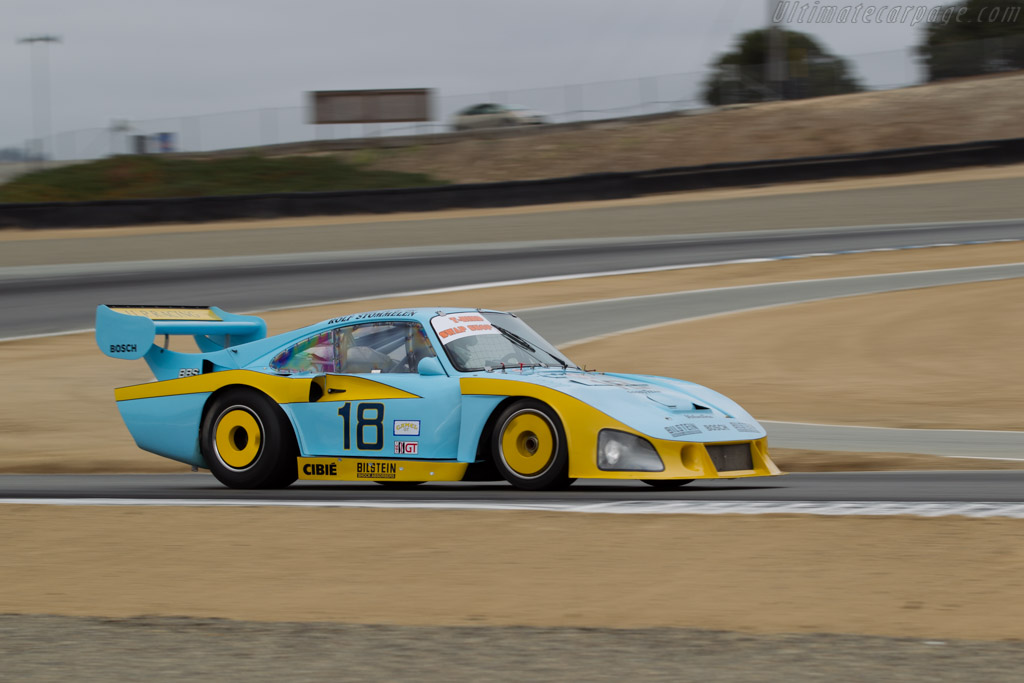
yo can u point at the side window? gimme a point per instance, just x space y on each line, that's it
313 354
358 349
382 347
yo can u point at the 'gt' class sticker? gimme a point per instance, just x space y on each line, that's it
407 448
452 327
407 427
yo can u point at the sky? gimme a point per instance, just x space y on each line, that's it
137 59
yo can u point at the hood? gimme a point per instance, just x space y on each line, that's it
660 407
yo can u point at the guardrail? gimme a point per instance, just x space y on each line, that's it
515 193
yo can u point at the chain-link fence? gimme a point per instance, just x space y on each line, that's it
558 104
270 126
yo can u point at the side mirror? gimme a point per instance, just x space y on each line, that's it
430 366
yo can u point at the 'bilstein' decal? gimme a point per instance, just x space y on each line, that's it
376 470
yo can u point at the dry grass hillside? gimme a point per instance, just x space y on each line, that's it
961 111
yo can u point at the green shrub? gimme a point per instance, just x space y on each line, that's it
150 177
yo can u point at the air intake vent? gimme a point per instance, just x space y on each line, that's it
731 457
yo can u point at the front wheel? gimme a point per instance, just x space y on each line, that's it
528 446
248 442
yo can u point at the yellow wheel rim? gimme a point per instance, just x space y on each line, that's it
528 443
238 436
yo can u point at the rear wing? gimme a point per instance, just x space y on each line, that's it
131 332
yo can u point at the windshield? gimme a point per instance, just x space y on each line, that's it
481 340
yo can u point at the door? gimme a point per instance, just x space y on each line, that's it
375 404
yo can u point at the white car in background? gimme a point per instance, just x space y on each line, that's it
491 115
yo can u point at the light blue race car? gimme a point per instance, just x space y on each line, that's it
410 396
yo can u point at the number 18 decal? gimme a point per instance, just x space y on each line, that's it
372 425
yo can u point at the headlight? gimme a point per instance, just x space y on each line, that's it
626 452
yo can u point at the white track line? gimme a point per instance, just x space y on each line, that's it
44 335
626 507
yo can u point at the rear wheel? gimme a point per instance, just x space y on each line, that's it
528 446
666 483
248 442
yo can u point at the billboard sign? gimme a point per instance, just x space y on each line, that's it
370 106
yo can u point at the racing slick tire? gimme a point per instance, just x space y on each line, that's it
528 446
248 442
666 484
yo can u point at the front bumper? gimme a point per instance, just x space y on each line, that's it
685 460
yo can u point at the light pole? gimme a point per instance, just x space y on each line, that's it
40 72
775 64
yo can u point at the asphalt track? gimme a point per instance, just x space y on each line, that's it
43 299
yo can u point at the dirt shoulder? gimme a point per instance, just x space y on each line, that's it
904 577
89 435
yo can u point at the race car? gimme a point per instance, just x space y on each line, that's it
412 396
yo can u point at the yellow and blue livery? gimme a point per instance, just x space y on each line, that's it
415 395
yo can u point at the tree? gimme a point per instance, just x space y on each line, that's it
973 37
739 75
